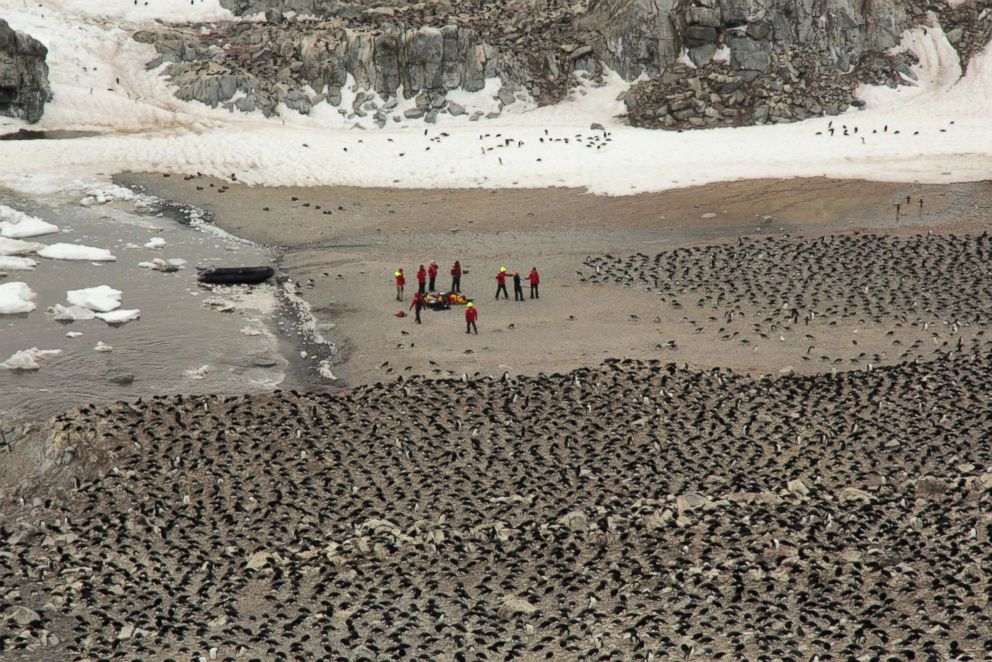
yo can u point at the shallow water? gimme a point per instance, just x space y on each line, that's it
177 335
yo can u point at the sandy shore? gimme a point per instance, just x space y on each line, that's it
343 262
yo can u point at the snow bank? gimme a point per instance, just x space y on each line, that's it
16 263
17 225
76 252
172 11
16 298
101 299
18 247
148 129
120 316
28 359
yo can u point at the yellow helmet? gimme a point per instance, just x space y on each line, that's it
397 273
470 305
502 270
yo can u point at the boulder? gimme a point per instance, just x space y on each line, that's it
24 88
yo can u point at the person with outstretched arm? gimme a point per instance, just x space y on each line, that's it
501 283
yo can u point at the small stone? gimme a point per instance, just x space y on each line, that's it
122 379
23 616
511 605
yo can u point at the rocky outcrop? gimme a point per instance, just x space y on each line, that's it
24 88
757 60
389 54
795 86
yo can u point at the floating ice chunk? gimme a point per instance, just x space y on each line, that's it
18 247
16 263
102 299
76 252
70 313
177 262
155 242
120 316
158 264
27 359
16 225
198 373
102 347
73 334
16 298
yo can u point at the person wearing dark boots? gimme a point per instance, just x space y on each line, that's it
535 280
501 283
518 290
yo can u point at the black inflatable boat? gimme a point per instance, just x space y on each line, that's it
235 275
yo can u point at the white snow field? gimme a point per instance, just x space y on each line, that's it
938 129
16 298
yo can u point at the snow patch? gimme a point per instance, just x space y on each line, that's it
101 299
120 316
18 225
16 298
62 313
29 359
18 247
76 252
16 263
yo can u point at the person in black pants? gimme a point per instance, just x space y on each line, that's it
456 277
501 283
535 280
417 305
518 290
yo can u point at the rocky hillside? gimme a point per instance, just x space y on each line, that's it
24 86
703 62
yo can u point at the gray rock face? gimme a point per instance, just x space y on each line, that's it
638 36
24 88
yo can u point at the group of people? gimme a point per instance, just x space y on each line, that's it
427 282
518 291
427 279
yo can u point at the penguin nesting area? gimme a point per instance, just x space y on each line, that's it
635 510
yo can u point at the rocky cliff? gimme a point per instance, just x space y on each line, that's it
702 62
24 88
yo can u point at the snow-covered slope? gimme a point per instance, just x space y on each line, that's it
936 132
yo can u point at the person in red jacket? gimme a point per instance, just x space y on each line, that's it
456 277
501 283
471 316
421 280
432 274
400 282
418 304
535 280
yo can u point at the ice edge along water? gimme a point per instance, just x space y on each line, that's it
942 122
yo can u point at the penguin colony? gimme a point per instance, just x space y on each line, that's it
630 511
636 510
918 297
